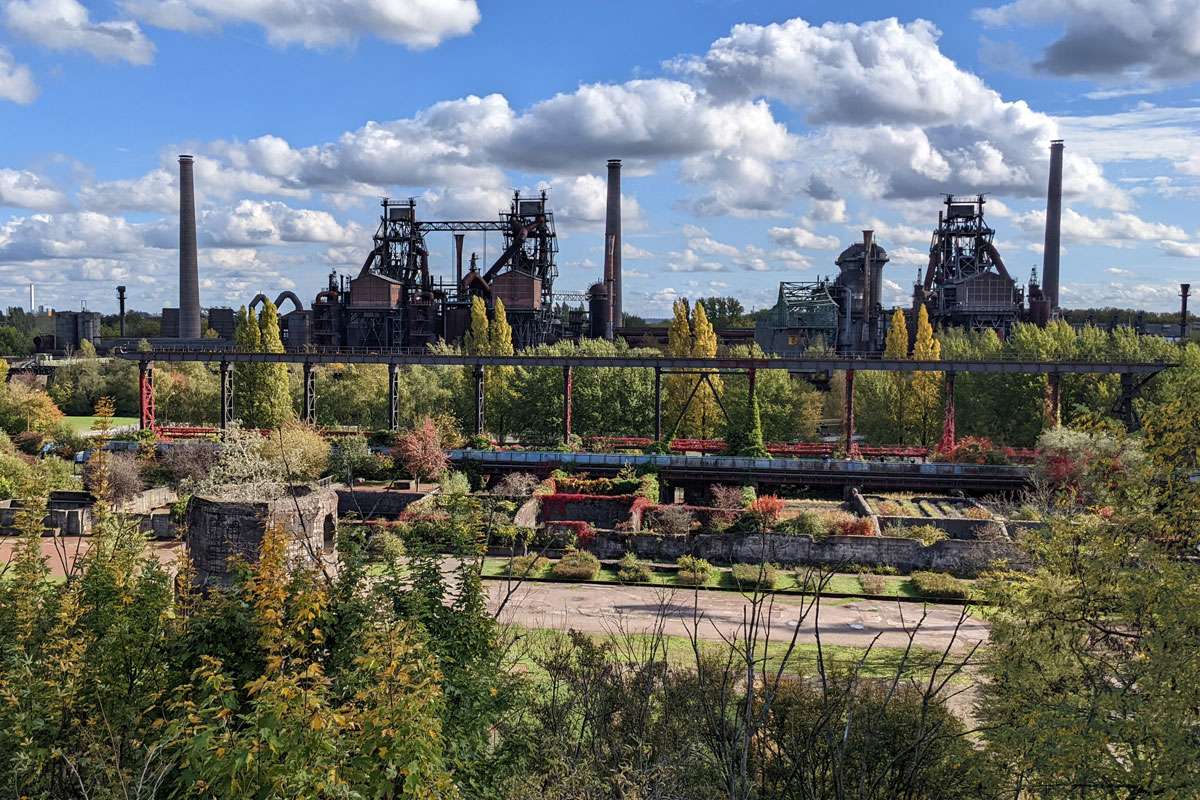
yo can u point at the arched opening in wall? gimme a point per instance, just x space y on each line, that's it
329 533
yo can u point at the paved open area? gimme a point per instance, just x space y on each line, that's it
600 608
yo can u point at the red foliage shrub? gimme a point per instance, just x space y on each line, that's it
767 509
855 526
420 452
976 450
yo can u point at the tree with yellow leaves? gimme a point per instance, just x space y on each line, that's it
926 386
706 408
477 340
678 387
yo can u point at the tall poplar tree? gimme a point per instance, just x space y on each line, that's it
926 386
246 376
499 385
678 387
898 384
706 406
274 401
476 341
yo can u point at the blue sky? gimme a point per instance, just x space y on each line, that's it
759 137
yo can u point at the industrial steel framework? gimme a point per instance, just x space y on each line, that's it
1134 375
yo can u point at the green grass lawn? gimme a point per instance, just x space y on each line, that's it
532 647
894 585
84 424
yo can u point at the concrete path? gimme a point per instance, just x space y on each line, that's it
608 609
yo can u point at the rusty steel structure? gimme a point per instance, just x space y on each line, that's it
396 301
966 284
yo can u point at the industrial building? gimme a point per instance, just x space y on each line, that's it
965 284
395 301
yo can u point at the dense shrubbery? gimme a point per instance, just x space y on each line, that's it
530 565
631 569
576 565
755 576
939 584
693 571
670 520
805 523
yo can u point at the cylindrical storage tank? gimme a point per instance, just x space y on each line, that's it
597 311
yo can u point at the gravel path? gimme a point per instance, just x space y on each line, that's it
603 609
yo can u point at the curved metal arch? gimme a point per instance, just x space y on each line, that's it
258 298
288 294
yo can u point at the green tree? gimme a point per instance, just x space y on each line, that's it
725 312
247 377
1092 686
677 388
926 386
273 399
705 414
477 341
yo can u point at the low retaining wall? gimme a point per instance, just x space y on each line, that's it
375 502
967 558
599 510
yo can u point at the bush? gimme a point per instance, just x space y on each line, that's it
939 584
672 520
755 576
728 497
527 566
694 571
977 512
926 534
766 510
352 458
29 442
299 451
189 461
119 471
455 483
890 508
855 526
806 523
576 565
633 570
516 484
872 584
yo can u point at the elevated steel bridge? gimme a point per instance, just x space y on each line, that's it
1134 374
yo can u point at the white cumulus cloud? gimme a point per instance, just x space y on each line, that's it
16 80
67 25
418 24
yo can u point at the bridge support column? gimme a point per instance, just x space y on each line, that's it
1053 413
948 418
146 395
658 404
568 401
310 394
848 417
393 397
226 395
479 417
1128 390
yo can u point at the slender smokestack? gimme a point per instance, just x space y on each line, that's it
32 300
121 305
612 233
189 277
1184 291
871 290
1050 252
458 250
